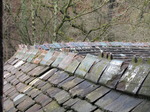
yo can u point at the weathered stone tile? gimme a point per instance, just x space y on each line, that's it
24 66
123 103
83 89
6 87
98 110
52 91
12 92
32 55
9 90
20 87
23 78
29 67
54 57
13 109
28 53
27 103
38 71
74 64
98 93
14 95
46 87
43 99
58 77
112 73
18 99
62 96
15 61
48 74
34 108
66 61
132 80
85 65
143 107
107 99
18 64
47 57
145 88
8 104
83 106
33 93
70 102
11 78
97 70
29 80
65 81
53 107
39 58
6 75
61 56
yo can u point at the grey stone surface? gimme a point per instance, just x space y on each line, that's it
53 58
83 89
97 70
96 94
74 64
58 77
62 96
132 80
112 74
83 106
58 60
47 57
70 102
85 65
107 99
123 104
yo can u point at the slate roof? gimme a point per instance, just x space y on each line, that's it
55 80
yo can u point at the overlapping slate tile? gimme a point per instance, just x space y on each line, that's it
47 57
62 96
132 80
70 102
27 103
83 89
27 54
18 64
42 99
124 103
97 70
145 88
34 108
54 57
96 94
19 98
98 110
48 74
38 71
32 55
33 93
107 99
8 104
143 107
85 65
58 77
39 58
28 67
66 61
53 107
74 64
65 81
71 83
83 106
112 73
52 91
61 56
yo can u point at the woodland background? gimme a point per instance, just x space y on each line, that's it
46 21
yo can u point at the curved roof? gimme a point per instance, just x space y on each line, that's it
55 80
